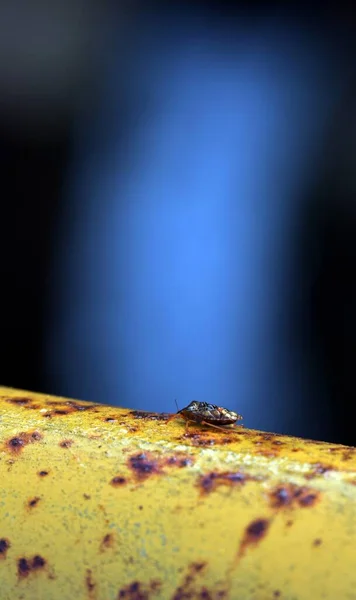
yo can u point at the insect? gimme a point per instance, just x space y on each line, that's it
207 414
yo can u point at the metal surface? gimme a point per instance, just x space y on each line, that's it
102 503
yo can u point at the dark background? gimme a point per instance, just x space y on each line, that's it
48 88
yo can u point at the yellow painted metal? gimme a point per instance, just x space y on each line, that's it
103 503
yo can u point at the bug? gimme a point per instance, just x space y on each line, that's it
207 414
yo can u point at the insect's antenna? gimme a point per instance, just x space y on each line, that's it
175 400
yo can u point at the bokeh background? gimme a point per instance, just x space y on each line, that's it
178 207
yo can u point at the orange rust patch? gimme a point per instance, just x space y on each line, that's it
349 454
190 587
268 437
149 416
205 437
319 469
60 409
17 443
198 439
118 481
4 546
292 496
66 443
254 533
25 566
20 401
139 591
317 542
107 542
271 445
268 453
33 502
146 464
211 481
89 582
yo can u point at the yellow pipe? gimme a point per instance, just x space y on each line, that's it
104 503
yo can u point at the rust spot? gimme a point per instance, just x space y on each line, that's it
20 401
150 416
257 529
4 546
308 499
23 567
89 582
197 567
77 406
60 409
290 496
317 542
254 533
318 469
107 541
198 439
289 523
144 466
276 594
190 587
207 438
27 565
33 502
268 453
86 496
18 442
116 481
38 562
179 461
139 591
348 454
209 482
66 443
204 594
130 428
43 473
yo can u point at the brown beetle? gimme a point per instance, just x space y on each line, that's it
204 413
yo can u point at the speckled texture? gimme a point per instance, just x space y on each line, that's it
103 503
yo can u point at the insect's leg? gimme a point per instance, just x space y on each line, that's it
187 425
211 425
172 417
217 426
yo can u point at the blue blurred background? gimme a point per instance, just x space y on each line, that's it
180 213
